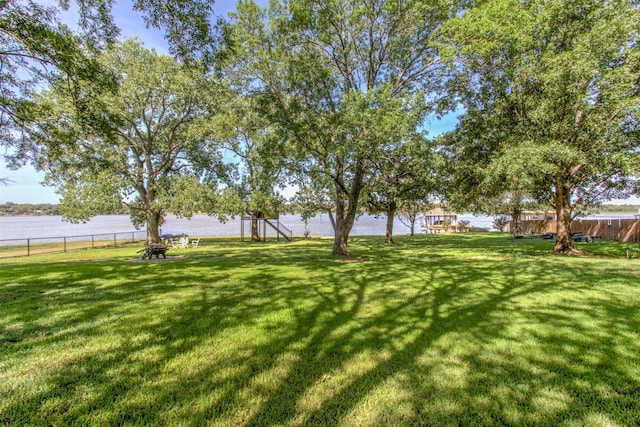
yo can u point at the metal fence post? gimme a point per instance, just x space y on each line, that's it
65 244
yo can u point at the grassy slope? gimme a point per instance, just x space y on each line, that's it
471 329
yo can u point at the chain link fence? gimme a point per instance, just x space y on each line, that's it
43 245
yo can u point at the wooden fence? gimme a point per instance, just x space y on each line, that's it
619 230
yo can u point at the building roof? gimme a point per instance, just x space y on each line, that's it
439 211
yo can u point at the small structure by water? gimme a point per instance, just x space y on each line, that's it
258 226
439 219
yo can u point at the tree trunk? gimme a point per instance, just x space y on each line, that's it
516 228
255 228
154 219
562 201
341 236
412 221
341 229
340 225
391 212
152 213
564 244
346 210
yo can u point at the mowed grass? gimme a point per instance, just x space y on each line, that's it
472 329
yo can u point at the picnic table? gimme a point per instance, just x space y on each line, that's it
168 238
156 249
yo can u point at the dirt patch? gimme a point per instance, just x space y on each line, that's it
481 257
154 259
569 252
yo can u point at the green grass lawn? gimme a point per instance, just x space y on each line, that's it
471 329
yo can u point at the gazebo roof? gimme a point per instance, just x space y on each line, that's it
439 211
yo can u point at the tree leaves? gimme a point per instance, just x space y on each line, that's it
37 49
146 148
550 89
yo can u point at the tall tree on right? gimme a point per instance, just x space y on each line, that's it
551 91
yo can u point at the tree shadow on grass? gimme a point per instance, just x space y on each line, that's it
479 316
403 338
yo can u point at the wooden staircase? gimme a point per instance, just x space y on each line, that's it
280 228
261 224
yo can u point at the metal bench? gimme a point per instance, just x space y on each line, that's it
154 249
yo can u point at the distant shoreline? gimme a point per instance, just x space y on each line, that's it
21 210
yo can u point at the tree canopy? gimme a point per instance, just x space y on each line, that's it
36 50
152 150
405 179
551 96
342 81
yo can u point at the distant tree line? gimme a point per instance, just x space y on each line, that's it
28 209
618 208
35 209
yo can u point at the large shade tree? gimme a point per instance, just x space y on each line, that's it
551 91
474 182
151 148
342 81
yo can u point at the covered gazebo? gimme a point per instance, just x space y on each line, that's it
440 219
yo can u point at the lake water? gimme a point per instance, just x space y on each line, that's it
204 225
199 225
